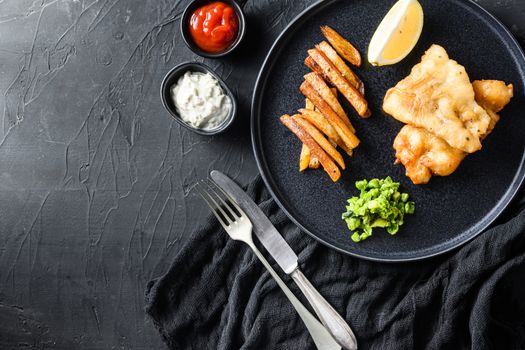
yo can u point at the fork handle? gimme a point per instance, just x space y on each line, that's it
335 324
321 337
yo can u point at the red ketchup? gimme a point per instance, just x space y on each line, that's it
214 27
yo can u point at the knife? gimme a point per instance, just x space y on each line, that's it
286 258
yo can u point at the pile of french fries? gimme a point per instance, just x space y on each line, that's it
322 125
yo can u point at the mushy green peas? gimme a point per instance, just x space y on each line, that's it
379 204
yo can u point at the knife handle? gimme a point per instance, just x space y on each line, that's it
335 324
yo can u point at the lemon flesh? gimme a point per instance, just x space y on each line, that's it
397 34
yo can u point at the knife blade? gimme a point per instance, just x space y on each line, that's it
263 228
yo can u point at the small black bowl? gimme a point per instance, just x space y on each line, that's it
171 79
185 22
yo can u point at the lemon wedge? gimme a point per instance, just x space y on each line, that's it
397 33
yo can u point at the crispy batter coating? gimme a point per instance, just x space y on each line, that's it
423 154
438 97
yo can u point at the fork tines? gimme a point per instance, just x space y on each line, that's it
221 204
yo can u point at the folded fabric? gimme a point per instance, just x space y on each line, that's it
217 295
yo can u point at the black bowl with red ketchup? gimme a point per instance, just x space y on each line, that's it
213 28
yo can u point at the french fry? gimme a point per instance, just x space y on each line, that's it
341 144
340 127
311 161
320 123
342 46
304 158
308 105
328 164
347 150
325 127
314 162
338 62
349 92
326 94
310 63
320 139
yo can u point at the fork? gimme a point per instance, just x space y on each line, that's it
239 227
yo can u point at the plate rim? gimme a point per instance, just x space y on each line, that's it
455 243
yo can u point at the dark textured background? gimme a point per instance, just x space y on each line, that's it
93 172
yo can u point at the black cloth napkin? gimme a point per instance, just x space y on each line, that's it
217 295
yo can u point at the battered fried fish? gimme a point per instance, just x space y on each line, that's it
492 95
423 154
438 97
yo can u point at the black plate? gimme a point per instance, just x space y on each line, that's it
450 210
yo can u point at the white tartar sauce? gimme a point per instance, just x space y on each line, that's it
200 100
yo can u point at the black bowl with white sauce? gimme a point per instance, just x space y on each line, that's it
198 98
